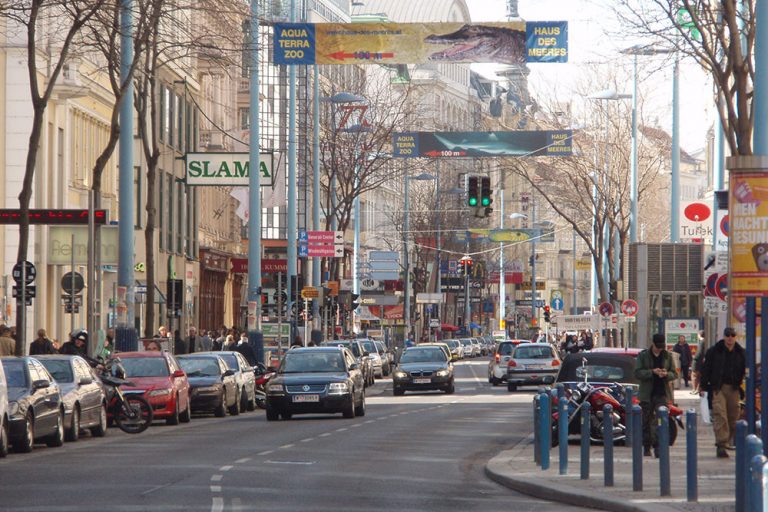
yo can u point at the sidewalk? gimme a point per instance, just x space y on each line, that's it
516 469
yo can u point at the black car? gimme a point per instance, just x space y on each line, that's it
34 404
85 402
363 358
423 368
316 380
600 366
245 377
212 386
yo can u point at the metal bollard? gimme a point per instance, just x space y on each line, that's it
637 448
629 394
756 481
753 449
585 427
562 432
545 431
536 433
741 466
608 445
692 456
662 438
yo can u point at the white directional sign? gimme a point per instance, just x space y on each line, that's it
576 322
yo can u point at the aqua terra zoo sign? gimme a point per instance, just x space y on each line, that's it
226 169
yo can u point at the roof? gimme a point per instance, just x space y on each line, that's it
402 11
612 350
149 353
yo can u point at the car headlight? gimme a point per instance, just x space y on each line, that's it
275 388
337 388
13 408
160 392
207 389
441 373
400 375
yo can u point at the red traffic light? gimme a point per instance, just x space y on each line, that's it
546 309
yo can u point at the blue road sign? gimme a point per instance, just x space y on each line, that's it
557 304
303 238
303 251
539 303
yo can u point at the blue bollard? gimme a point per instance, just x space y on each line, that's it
585 426
629 394
692 456
741 466
545 431
753 448
662 438
562 432
637 448
756 481
608 445
536 433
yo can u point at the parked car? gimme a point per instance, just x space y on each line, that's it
457 349
316 380
213 387
469 348
497 366
159 378
4 418
423 368
601 366
244 376
532 363
477 347
387 358
85 401
377 358
35 408
357 349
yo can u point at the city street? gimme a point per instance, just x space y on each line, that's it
418 452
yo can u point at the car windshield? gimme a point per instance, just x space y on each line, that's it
15 376
505 349
300 362
199 366
61 370
145 366
601 369
423 355
370 347
230 360
354 347
466 343
533 352
452 343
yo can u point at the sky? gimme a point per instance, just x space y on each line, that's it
591 39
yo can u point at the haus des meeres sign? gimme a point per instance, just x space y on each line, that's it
227 169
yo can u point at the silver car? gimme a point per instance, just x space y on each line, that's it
532 363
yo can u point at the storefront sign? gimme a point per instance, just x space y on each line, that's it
226 169
60 248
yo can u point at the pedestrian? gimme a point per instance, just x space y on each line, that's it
41 345
78 346
179 344
205 342
153 346
222 338
229 343
246 349
655 369
696 365
162 332
297 342
193 341
683 349
721 376
216 342
7 344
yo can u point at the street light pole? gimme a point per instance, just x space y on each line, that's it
292 214
502 279
406 263
675 188
633 171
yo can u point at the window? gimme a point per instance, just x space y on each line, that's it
244 114
160 205
195 128
188 128
137 197
163 120
181 199
180 123
170 202
171 114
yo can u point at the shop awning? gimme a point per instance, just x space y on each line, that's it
448 328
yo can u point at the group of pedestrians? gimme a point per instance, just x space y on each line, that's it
720 371
206 341
573 343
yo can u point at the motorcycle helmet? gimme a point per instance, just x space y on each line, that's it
80 334
118 370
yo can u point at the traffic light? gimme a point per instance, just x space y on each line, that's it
354 303
473 191
546 314
465 265
534 322
485 191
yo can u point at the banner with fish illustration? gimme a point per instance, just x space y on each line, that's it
515 42
482 144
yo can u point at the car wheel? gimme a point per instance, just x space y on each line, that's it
234 409
511 387
494 381
73 432
186 416
272 415
25 443
100 430
398 391
174 418
450 389
349 409
286 415
3 437
360 409
251 405
221 409
57 438
243 400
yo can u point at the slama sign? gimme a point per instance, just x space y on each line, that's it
226 169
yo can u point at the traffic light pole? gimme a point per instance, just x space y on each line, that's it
534 291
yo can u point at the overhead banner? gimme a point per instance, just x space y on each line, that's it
749 234
482 144
226 169
515 42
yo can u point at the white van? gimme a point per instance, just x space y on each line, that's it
4 419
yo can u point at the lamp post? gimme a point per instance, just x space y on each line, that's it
406 264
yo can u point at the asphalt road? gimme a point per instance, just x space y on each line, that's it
418 452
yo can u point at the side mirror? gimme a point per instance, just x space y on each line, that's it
366 354
40 384
178 374
84 381
354 366
228 373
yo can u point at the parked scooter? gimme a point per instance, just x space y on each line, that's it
263 374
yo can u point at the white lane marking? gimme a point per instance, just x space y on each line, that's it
243 460
292 462
216 478
341 429
326 434
215 488
357 425
225 468
285 446
261 454
370 421
217 505
307 440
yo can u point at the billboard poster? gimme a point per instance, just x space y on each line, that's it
748 234
482 144
515 42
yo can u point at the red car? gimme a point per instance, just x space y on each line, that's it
160 379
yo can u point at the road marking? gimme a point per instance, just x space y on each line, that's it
285 446
243 460
216 478
341 429
292 462
156 488
215 488
357 425
370 421
326 434
225 468
261 454
217 505
307 440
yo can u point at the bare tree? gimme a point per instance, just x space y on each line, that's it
48 29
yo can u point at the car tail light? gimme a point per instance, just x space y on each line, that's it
555 363
511 363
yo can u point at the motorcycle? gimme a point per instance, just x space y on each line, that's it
131 412
263 374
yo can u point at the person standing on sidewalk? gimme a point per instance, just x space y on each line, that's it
655 370
683 349
41 345
724 369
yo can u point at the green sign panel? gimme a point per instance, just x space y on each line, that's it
226 169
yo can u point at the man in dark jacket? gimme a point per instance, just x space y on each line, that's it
724 369
683 349
41 345
246 349
655 370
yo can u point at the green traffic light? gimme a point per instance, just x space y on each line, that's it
486 201
472 201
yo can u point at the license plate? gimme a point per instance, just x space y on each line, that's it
306 398
422 381
535 367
